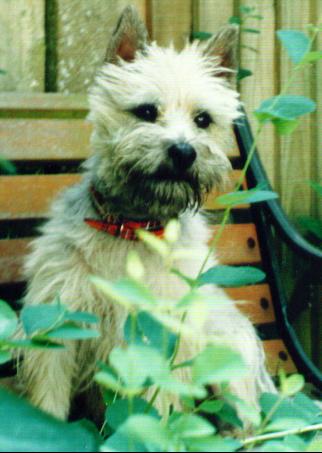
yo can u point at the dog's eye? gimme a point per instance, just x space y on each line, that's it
146 112
203 120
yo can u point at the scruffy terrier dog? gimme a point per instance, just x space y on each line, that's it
161 124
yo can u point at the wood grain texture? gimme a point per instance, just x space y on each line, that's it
277 356
262 84
39 139
83 31
256 302
211 202
295 164
169 21
209 15
12 253
12 104
28 196
23 197
13 250
22 45
238 244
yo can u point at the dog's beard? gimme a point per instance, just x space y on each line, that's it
160 195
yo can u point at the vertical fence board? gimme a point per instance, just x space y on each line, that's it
83 30
317 164
296 150
170 21
209 15
22 45
262 83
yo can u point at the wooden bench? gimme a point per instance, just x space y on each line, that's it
47 137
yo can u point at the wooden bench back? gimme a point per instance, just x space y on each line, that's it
47 137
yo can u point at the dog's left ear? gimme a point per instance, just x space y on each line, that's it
224 46
129 36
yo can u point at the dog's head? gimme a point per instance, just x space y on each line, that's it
161 120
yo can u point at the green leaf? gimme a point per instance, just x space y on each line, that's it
300 407
41 317
172 231
296 43
35 343
228 414
230 276
131 366
292 384
214 444
243 73
191 426
126 292
255 195
311 57
235 20
217 364
5 357
286 107
8 320
317 187
109 381
251 30
154 243
81 316
211 407
134 266
281 424
25 428
315 446
119 442
244 9
151 332
7 167
70 331
285 127
118 412
147 430
314 226
171 385
201 35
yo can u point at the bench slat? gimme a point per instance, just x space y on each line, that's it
258 302
43 139
43 102
277 357
238 244
50 139
13 250
23 197
29 196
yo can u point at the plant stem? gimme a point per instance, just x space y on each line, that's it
152 400
288 432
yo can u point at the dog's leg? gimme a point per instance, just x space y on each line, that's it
232 328
47 379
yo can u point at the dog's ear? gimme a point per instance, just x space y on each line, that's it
129 36
224 46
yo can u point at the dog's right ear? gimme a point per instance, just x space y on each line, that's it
129 36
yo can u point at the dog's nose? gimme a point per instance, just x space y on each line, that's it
183 155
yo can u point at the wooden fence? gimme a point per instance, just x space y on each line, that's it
57 45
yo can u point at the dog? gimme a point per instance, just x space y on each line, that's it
161 125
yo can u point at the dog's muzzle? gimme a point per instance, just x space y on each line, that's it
182 155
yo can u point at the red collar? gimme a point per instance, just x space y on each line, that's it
123 228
